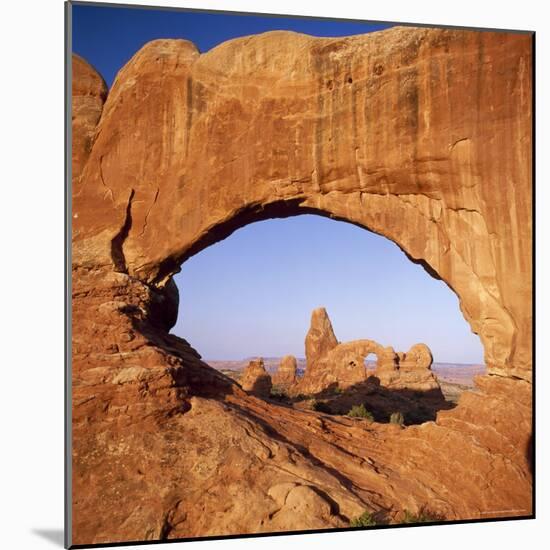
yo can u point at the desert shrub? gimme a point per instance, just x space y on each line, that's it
397 418
364 520
277 391
421 517
359 411
338 390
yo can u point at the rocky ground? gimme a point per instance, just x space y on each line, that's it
167 447
455 379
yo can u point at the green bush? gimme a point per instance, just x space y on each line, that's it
421 517
364 520
359 411
397 418
277 391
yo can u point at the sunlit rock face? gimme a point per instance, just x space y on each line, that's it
255 379
404 131
320 338
286 375
88 95
420 135
331 364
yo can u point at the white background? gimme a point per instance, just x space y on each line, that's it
32 283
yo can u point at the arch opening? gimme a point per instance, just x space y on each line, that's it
371 362
251 295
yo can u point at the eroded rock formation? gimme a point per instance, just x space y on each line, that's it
320 338
412 372
255 379
89 92
420 135
286 377
342 365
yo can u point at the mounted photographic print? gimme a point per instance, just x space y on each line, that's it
301 281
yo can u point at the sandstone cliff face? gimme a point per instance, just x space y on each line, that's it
89 92
420 135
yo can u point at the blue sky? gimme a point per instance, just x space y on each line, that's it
108 37
252 294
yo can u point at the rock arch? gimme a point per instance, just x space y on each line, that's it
344 365
252 130
411 133
331 364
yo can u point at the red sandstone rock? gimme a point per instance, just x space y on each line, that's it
343 365
285 377
413 371
255 379
320 338
426 171
89 92
421 135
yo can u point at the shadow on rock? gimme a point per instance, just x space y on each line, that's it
414 406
